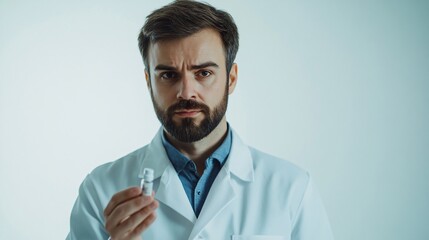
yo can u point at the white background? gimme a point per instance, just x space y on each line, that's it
338 87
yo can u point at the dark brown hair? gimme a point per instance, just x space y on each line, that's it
183 18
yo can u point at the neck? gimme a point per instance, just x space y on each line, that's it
199 151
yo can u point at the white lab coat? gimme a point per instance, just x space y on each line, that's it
255 196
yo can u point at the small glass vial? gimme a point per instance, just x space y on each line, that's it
147 181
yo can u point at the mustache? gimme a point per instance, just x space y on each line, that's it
187 104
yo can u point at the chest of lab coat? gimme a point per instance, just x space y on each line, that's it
255 196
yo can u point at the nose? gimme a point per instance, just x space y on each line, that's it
187 87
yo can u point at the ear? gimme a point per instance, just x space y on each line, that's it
233 76
147 76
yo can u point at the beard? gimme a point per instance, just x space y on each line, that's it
187 130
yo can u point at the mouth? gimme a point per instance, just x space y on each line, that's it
186 113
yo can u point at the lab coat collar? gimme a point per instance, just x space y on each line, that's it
239 160
170 190
155 157
239 164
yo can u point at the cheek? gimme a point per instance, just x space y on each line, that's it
213 95
164 97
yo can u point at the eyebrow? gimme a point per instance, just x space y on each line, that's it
161 67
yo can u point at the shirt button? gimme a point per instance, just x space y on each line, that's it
199 192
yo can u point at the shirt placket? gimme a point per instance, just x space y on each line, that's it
201 189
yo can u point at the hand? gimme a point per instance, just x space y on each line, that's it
129 213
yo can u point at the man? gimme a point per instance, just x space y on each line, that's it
208 184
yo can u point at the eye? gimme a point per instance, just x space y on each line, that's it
204 73
169 75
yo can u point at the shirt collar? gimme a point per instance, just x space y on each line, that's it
180 161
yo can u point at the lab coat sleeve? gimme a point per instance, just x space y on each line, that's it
87 220
311 221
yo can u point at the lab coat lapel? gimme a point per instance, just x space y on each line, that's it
220 195
172 194
170 189
223 191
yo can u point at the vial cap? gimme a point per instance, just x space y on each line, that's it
148 174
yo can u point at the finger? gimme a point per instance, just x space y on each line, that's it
121 197
124 210
145 215
143 225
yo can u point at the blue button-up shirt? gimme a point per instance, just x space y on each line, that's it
197 187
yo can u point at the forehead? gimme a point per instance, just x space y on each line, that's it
205 45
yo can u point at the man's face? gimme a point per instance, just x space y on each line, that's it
189 84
